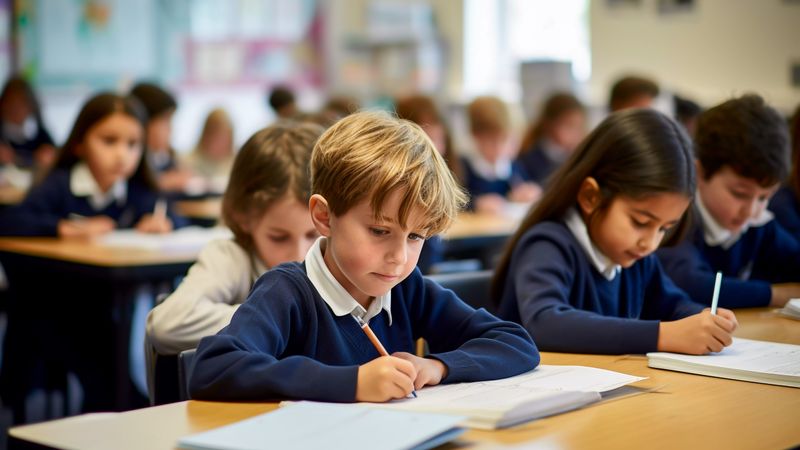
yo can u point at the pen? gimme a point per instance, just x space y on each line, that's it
160 209
715 298
375 342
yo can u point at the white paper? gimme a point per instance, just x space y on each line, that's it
769 358
189 238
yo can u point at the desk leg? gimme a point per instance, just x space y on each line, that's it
124 302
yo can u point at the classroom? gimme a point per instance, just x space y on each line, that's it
399 224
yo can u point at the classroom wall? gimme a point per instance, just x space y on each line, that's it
720 48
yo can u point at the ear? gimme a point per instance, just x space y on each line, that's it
320 214
589 196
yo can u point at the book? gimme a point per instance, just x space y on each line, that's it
745 360
313 425
791 309
544 391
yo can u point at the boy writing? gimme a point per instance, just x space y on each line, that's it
379 189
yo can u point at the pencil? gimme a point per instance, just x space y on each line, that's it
715 298
375 341
160 209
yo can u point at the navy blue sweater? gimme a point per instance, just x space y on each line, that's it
762 256
285 342
786 207
536 164
556 293
51 201
477 185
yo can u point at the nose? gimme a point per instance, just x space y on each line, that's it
648 242
398 252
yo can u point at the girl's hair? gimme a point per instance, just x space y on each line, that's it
794 134
421 110
18 84
633 153
272 163
217 119
95 110
555 107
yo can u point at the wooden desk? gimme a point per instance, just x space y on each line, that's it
204 212
688 411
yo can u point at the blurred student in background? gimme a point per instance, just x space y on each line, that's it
24 140
632 92
212 158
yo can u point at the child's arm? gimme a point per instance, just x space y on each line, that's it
472 344
41 211
698 334
205 301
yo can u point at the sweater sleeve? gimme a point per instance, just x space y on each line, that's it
40 211
543 281
205 301
243 361
473 344
663 299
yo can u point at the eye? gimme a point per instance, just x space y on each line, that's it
278 238
416 237
378 231
638 223
109 140
666 228
740 195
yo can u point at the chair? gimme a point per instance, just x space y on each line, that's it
472 287
185 361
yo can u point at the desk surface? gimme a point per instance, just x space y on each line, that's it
686 411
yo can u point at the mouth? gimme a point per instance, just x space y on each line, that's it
387 278
635 256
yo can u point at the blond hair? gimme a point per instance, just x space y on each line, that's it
372 154
217 119
271 164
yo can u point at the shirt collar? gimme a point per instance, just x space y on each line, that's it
601 262
715 235
500 170
554 152
83 184
338 299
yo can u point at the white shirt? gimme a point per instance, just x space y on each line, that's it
338 299
601 262
715 235
500 170
83 184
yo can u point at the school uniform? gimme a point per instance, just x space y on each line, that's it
761 254
295 337
70 192
206 299
572 298
25 139
786 207
542 160
483 177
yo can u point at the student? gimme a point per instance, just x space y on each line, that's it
160 106
266 207
212 158
99 181
24 140
550 140
632 92
686 113
579 273
742 148
785 204
282 102
490 174
379 187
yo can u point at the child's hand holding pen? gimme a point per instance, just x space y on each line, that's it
430 372
157 222
77 226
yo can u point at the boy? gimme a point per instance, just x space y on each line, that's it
379 189
632 92
742 150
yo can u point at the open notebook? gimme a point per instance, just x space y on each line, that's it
791 309
545 391
745 359
309 425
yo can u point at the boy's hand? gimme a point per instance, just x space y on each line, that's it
782 293
150 223
85 228
429 371
385 378
698 334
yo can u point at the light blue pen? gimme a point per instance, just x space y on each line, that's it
715 298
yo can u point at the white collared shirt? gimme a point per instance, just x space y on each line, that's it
500 170
601 262
83 184
715 235
335 295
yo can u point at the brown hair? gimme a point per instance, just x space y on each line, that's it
488 115
421 110
794 132
635 153
555 107
216 119
272 163
629 88
372 154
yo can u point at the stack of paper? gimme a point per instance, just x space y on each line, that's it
792 309
747 360
545 391
182 239
309 425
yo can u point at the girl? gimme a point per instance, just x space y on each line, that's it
579 273
99 181
24 141
266 207
553 137
212 159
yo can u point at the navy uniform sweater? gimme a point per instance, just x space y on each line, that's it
556 293
285 342
786 207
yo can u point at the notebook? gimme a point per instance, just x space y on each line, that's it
544 391
791 309
311 425
745 359
183 239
